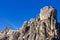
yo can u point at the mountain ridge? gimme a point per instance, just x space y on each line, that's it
43 27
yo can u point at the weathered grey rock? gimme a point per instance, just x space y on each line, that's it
43 27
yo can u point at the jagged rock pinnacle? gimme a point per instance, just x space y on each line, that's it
43 27
46 12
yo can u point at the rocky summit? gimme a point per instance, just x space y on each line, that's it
43 27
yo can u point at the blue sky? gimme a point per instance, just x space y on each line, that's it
14 12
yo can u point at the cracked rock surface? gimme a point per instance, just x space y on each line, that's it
43 27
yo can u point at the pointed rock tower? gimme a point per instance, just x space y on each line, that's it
47 23
43 27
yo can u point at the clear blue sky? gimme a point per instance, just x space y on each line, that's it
14 12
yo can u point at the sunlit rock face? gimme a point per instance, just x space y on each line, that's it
43 27
46 12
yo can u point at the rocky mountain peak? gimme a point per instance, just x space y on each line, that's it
43 27
46 12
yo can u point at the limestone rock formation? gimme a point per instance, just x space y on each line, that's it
43 27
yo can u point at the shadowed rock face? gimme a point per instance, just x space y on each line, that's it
43 27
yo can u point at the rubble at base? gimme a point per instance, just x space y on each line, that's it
43 27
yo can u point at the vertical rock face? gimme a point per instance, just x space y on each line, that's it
48 23
43 27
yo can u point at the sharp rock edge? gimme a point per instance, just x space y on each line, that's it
43 27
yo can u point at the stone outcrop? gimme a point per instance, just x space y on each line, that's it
43 27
